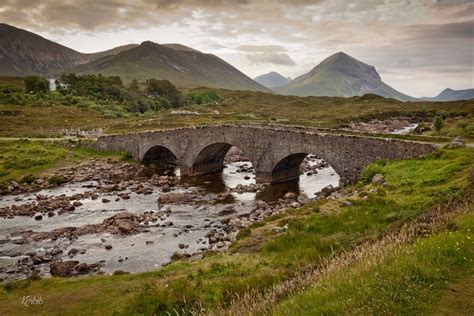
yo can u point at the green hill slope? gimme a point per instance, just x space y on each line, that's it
186 68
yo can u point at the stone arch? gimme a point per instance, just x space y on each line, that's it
211 158
161 156
287 168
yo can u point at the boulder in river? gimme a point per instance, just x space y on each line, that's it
327 190
60 268
176 198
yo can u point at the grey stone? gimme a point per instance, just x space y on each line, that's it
378 179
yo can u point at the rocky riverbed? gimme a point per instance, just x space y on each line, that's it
391 126
116 216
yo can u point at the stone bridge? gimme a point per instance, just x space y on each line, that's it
275 152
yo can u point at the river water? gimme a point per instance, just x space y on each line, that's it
153 248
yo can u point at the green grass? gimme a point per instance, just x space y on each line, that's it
261 258
463 127
409 281
23 160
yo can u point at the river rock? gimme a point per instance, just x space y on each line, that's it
303 199
278 229
290 196
378 179
165 188
456 143
62 268
176 198
327 190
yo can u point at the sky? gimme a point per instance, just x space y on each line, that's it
419 47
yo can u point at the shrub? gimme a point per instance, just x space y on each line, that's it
57 180
438 123
369 172
204 96
29 179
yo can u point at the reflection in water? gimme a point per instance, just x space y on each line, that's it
238 173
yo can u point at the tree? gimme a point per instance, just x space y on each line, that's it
36 84
164 89
438 123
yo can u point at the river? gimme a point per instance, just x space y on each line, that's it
154 247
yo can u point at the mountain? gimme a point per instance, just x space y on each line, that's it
341 75
24 53
183 66
453 95
272 79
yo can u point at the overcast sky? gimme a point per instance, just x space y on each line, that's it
419 47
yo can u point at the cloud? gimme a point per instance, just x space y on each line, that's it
261 48
270 58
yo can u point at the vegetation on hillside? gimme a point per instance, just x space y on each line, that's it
49 114
108 95
318 233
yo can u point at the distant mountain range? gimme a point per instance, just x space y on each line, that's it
272 80
24 53
452 95
341 75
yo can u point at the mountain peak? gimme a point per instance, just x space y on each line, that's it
272 80
449 94
346 65
148 43
341 75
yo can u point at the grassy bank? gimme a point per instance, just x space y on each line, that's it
411 280
21 159
261 258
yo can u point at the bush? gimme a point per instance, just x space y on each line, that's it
369 172
29 179
204 96
36 84
56 180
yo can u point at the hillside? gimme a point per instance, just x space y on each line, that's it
341 75
24 53
452 95
272 79
184 67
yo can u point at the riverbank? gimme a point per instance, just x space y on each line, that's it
264 256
